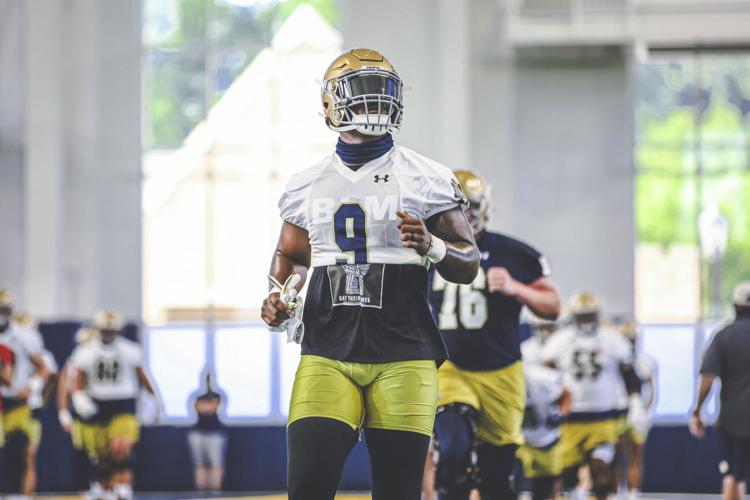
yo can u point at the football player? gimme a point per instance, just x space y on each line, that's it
632 442
482 393
532 348
594 362
108 380
547 402
71 422
370 219
29 377
6 378
36 401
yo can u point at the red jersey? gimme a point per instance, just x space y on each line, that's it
6 358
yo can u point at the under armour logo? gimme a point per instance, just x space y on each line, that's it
384 178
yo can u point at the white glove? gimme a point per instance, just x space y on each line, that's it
36 386
638 417
293 326
83 404
65 418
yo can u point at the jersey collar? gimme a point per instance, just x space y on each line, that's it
367 168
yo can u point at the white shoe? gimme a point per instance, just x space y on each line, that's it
123 492
634 495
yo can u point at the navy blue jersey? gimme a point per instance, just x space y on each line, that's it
479 328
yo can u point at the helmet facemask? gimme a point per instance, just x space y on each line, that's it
476 213
367 100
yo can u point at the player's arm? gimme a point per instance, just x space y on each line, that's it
63 390
651 393
63 404
40 367
145 380
446 239
697 428
563 404
6 372
292 255
540 295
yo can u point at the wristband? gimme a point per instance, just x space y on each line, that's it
437 250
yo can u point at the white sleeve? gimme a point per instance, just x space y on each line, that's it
294 202
81 358
553 349
136 355
620 348
32 342
441 192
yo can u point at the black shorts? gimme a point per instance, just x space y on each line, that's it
735 456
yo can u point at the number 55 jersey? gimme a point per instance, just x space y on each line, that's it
590 364
366 300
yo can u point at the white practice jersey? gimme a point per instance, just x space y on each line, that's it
591 367
25 343
531 351
350 215
544 388
110 368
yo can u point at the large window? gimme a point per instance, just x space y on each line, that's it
693 184
231 110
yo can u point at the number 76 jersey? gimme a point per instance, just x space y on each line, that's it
590 364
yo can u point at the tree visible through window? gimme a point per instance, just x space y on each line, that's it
693 157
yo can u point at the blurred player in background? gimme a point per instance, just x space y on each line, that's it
547 403
36 401
370 220
29 377
595 362
728 357
70 421
541 330
482 393
6 378
108 380
631 444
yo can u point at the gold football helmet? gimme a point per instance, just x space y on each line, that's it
108 321
362 91
584 303
85 334
477 193
6 299
25 320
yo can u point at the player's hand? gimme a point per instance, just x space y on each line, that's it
696 426
499 280
66 419
414 233
24 394
274 311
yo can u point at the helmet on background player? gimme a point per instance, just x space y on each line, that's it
540 328
630 330
477 192
585 309
362 91
6 309
85 334
25 320
109 324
